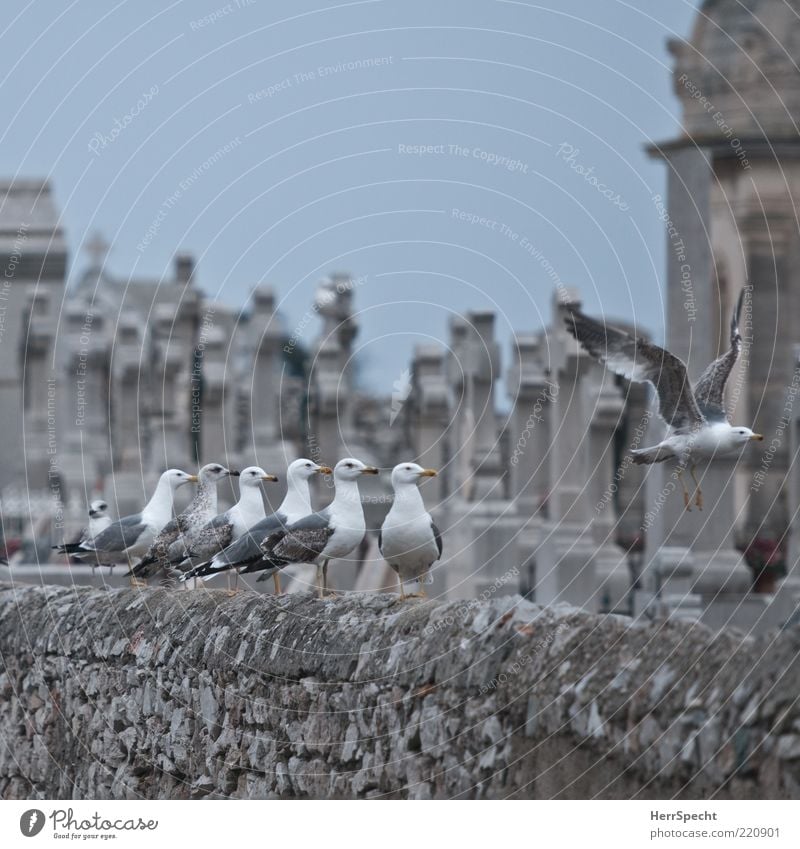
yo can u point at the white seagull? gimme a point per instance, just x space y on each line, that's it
245 555
699 426
201 509
333 532
222 530
409 540
130 537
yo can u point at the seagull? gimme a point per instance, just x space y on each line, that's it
699 426
201 509
99 520
130 537
409 540
222 530
333 532
245 555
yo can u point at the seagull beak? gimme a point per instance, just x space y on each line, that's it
192 479
428 473
233 474
324 470
757 437
272 478
369 470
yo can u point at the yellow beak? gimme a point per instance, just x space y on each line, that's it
428 473
193 478
757 437
273 478
324 470
369 470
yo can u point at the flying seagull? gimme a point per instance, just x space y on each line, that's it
130 537
201 509
222 530
333 532
245 555
409 540
99 520
699 426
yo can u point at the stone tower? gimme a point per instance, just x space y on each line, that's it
33 256
731 221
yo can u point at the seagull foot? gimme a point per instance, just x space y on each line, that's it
698 499
687 502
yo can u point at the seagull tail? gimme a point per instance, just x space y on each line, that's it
70 548
648 456
202 570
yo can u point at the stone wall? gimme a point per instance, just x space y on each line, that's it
176 694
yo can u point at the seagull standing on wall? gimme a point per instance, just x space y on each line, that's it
333 532
409 540
699 426
130 537
201 509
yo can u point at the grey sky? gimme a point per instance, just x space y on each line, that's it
313 178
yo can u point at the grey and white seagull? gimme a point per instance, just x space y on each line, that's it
198 546
245 554
129 538
409 540
202 508
699 426
333 532
99 520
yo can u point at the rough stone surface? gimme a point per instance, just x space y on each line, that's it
173 694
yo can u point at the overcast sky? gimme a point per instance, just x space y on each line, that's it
438 149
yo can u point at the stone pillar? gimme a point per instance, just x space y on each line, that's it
689 552
265 384
771 373
532 395
432 405
131 385
567 555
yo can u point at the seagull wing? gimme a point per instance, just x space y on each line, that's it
301 542
118 536
204 542
244 553
710 388
437 535
642 361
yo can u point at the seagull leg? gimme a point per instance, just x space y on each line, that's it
319 581
698 493
326 592
276 578
402 591
687 501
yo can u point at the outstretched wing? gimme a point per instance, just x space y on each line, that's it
642 361
710 387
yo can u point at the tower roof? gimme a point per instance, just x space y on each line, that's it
739 73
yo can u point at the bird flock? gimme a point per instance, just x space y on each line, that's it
200 542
